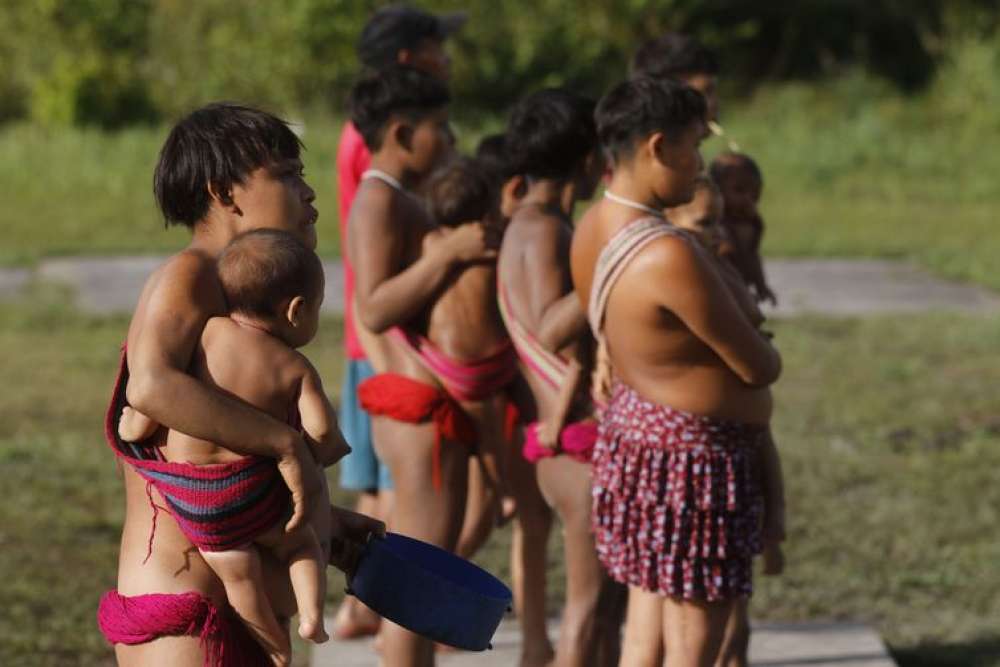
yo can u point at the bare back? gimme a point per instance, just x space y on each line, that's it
674 331
248 364
464 321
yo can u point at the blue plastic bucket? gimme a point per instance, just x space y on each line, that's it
430 591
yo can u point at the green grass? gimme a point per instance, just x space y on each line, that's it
888 427
851 167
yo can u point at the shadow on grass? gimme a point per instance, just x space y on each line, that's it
984 652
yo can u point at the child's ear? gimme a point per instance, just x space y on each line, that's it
402 132
296 310
515 188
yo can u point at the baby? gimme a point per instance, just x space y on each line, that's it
273 286
739 179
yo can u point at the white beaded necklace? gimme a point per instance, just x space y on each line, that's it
380 175
608 194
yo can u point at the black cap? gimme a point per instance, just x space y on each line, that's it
399 27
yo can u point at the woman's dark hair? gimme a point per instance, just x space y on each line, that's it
262 268
549 134
395 91
461 191
639 107
671 56
216 146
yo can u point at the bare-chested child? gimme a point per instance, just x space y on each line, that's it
418 429
676 501
703 216
739 179
552 150
462 339
274 288
224 170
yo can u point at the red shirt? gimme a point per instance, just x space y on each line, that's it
353 159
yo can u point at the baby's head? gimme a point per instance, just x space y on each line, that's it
740 181
402 113
460 192
491 155
270 277
703 214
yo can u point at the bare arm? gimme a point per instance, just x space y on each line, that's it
700 298
319 420
561 319
562 322
162 340
548 432
388 292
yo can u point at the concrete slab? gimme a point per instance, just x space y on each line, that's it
868 287
771 645
109 285
13 281
839 287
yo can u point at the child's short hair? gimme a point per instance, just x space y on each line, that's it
550 133
394 91
672 56
727 163
639 107
217 145
491 153
461 191
262 268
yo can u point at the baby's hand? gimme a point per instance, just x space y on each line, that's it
764 293
135 426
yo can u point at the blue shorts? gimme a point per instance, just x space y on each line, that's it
360 470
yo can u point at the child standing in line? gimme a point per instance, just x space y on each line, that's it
273 286
394 35
402 113
554 160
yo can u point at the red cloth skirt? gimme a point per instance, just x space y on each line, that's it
143 618
677 499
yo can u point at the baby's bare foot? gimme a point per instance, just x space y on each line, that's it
313 630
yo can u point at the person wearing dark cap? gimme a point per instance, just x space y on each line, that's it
394 35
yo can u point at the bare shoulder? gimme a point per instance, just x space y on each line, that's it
179 296
673 257
187 277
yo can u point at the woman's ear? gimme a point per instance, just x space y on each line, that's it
655 146
224 198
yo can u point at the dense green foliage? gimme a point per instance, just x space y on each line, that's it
113 62
851 167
